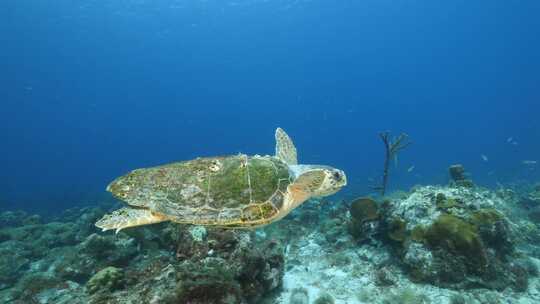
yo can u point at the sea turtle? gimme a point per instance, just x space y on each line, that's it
231 191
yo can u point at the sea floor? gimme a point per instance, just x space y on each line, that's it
349 275
310 256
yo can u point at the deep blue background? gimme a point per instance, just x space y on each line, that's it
92 89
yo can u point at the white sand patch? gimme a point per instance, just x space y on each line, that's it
309 267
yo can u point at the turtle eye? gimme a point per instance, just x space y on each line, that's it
337 176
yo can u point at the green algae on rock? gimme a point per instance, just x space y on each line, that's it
364 213
106 280
486 216
364 209
456 235
455 238
444 203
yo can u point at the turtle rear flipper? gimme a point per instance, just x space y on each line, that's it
129 217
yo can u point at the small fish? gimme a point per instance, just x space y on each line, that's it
484 158
510 139
529 162
411 168
514 143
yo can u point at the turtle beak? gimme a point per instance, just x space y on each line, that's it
109 187
343 179
112 186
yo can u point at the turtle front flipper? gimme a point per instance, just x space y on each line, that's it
129 217
285 149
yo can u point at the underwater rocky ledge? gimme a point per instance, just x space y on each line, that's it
456 243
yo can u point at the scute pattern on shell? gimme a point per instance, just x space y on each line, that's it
237 189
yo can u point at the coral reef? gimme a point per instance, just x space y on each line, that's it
459 176
434 244
57 263
455 238
480 242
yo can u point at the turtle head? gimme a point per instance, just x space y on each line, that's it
125 187
334 180
319 180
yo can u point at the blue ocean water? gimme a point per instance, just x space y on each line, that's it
92 89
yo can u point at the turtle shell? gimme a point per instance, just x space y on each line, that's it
235 190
